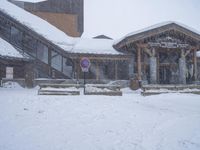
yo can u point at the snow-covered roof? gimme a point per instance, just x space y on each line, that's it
95 46
7 50
38 25
157 26
56 36
198 53
31 1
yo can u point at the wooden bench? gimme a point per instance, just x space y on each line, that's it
161 89
103 89
59 89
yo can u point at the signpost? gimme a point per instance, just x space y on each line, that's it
85 65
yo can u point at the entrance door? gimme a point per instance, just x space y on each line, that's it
165 74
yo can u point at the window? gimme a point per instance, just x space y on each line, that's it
30 45
4 29
16 37
42 52
56 61
67 67
105 70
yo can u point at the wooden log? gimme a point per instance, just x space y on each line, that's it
97 71
195 65
139 66
116 70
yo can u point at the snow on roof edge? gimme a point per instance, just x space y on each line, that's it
157 26
7 50
95 46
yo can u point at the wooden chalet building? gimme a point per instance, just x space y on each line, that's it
55 54
161 54
164 54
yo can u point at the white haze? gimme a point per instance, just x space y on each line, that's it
115 18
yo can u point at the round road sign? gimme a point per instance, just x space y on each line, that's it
85 64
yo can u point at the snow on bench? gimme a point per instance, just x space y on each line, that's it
59 89
103 89
161 89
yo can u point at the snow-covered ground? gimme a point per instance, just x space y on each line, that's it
131 122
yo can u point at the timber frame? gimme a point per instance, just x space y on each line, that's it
164 55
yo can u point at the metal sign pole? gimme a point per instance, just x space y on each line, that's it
85 65
84 83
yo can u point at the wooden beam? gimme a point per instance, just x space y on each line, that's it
116 70
195 65
139 66
158 66
186 53
97 71
148 51
77 69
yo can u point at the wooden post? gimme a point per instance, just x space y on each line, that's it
116 70
77 69
97 71
139 67
49 62
182 68
195 65
158 66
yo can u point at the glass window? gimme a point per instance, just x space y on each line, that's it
42 52
30 45
56 61
67 67
4 29
16 37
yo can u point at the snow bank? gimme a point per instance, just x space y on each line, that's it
7 50
12 85
38 25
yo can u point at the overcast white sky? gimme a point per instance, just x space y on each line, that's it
116 18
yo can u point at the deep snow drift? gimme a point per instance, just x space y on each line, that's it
131 122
